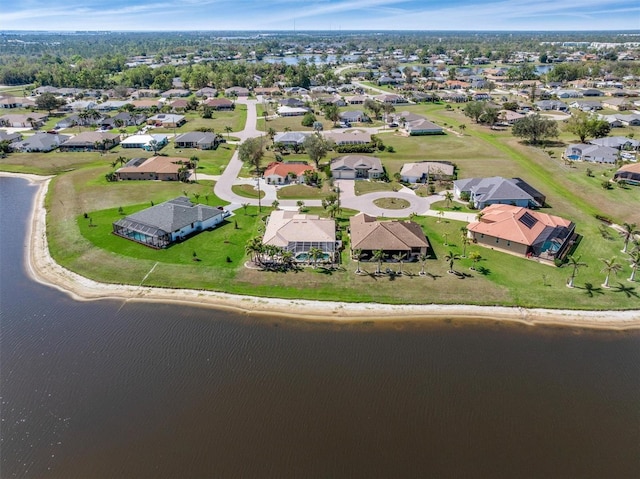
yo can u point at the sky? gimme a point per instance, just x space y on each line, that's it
172 15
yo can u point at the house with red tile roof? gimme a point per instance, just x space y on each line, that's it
278 173
523 232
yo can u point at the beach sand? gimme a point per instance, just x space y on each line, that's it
43 269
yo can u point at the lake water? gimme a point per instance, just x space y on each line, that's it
108 389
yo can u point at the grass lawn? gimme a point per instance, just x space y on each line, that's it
247 191
293 123
501 279
366 186
392 203
454 206
235 119
303 192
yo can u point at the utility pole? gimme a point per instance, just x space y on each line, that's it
259 201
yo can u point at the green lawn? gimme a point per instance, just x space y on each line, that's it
366 186
304 192
502 279
248 191
392 203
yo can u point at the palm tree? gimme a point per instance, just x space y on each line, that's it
576 264
287 258
275 204
441 215
423 259
448 197
379 256
610 266
634 259
465 241
228 129
194 162
475 257
450 258
271 133
244 207
400 258
254 248
314 255
628 232
357 255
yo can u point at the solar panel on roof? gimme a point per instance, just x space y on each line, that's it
528 220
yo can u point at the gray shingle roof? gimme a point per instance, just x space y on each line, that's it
171 215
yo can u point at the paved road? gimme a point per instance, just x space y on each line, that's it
348 198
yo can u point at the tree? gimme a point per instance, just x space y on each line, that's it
228 129
465 241
423 259
610 266
254 248
450 257
308 119
535 128
475 257
584 125
194 164
316 147
448 197
356 254
332 113
474 110
251 152
379 256
244 207
275 204
628 232
634 260
314 255
400 257
576 265
373 106
48 101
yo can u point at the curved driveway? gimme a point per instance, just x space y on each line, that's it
348 198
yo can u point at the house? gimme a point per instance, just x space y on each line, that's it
483 192
91 140
390 98
426 170
292 111
27 120
236 91
290 139
591 92
146 104
618 142
422 126
179 105
168 222
163 168
592 153
619 104
629 173
568 94
357 99
146 142
632 119
267 91
586 105
351 137
202 140
546 105
393 237
10 102
82 105
279 173
166 120
291 102
353 167
523 232
510 117
41 142
175 92
220 104
145 93
10 137
124 118
354 116
207 91
299 233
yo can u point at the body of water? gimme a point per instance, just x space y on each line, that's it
113 389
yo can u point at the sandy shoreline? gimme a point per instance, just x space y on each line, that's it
43 269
